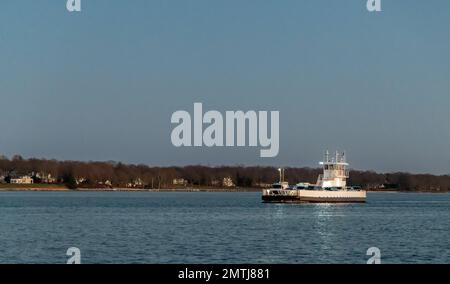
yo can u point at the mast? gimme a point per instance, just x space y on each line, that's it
327 156
281 170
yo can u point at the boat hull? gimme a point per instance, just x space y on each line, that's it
313 196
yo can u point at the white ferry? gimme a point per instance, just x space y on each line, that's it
331 186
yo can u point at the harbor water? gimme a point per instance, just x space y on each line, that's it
220 227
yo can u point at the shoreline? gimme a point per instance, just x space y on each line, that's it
65 189
61 188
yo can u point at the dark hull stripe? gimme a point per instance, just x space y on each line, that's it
293 199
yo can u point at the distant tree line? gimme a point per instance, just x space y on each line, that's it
76 174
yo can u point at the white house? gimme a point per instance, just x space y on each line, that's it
179 181
48 179
22 180
228 182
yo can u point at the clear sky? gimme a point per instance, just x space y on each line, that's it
102 84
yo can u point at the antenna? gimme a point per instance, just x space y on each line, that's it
281 170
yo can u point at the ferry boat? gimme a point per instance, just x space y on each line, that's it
331 186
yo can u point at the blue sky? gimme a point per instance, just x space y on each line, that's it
102 84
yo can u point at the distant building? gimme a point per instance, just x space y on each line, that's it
22 180
81 180
228 182
45 178
106 183
2 179
179 181
138 183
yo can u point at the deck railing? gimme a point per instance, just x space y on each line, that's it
280 192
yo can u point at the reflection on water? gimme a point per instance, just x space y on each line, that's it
279 210
324 220
120 227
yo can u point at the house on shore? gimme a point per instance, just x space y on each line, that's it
179 181
22 180
46 178
228 182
